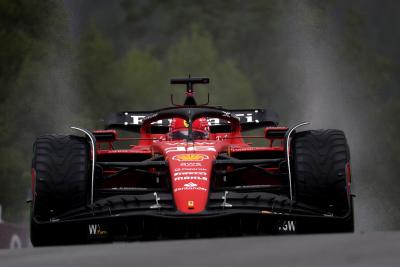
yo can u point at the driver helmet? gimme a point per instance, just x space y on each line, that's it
179 129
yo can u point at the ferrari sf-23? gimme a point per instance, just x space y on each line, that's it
189 171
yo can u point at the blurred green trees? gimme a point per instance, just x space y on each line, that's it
139 79
29 45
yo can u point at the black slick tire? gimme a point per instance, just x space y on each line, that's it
60 165
321 161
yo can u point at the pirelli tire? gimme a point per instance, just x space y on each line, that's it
321 168
60 169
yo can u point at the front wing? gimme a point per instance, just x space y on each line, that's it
142 218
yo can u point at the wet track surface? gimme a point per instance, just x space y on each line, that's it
370 249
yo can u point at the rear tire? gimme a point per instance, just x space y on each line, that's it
320 163
61 165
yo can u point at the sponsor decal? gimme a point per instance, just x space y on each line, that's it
193 169
247 116
242 116
189 173
151 116
287 226
190 164
201 148
191 184
95 230
183 178
239 149
175 144
190 157
136 119
200 143
190 148
190 188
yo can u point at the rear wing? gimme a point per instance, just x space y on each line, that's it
249 119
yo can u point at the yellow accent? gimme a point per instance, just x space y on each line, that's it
266 212
186 123
190 157
190 204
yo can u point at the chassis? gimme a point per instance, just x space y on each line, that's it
165 187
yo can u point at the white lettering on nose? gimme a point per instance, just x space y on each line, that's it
191 184
189 173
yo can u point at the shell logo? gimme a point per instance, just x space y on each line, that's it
190 157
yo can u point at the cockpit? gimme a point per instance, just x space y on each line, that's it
183 134
180 130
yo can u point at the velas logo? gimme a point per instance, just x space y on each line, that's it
190 157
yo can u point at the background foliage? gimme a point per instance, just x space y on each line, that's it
331 62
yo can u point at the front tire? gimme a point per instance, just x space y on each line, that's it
321 161
60 166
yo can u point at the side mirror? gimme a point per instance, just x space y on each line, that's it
275 133
105 136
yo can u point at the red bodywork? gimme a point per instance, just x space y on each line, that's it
211 157
190 163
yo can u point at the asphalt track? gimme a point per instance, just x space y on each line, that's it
371 249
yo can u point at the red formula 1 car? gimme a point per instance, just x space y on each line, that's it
189 172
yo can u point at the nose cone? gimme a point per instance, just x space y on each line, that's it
190 175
